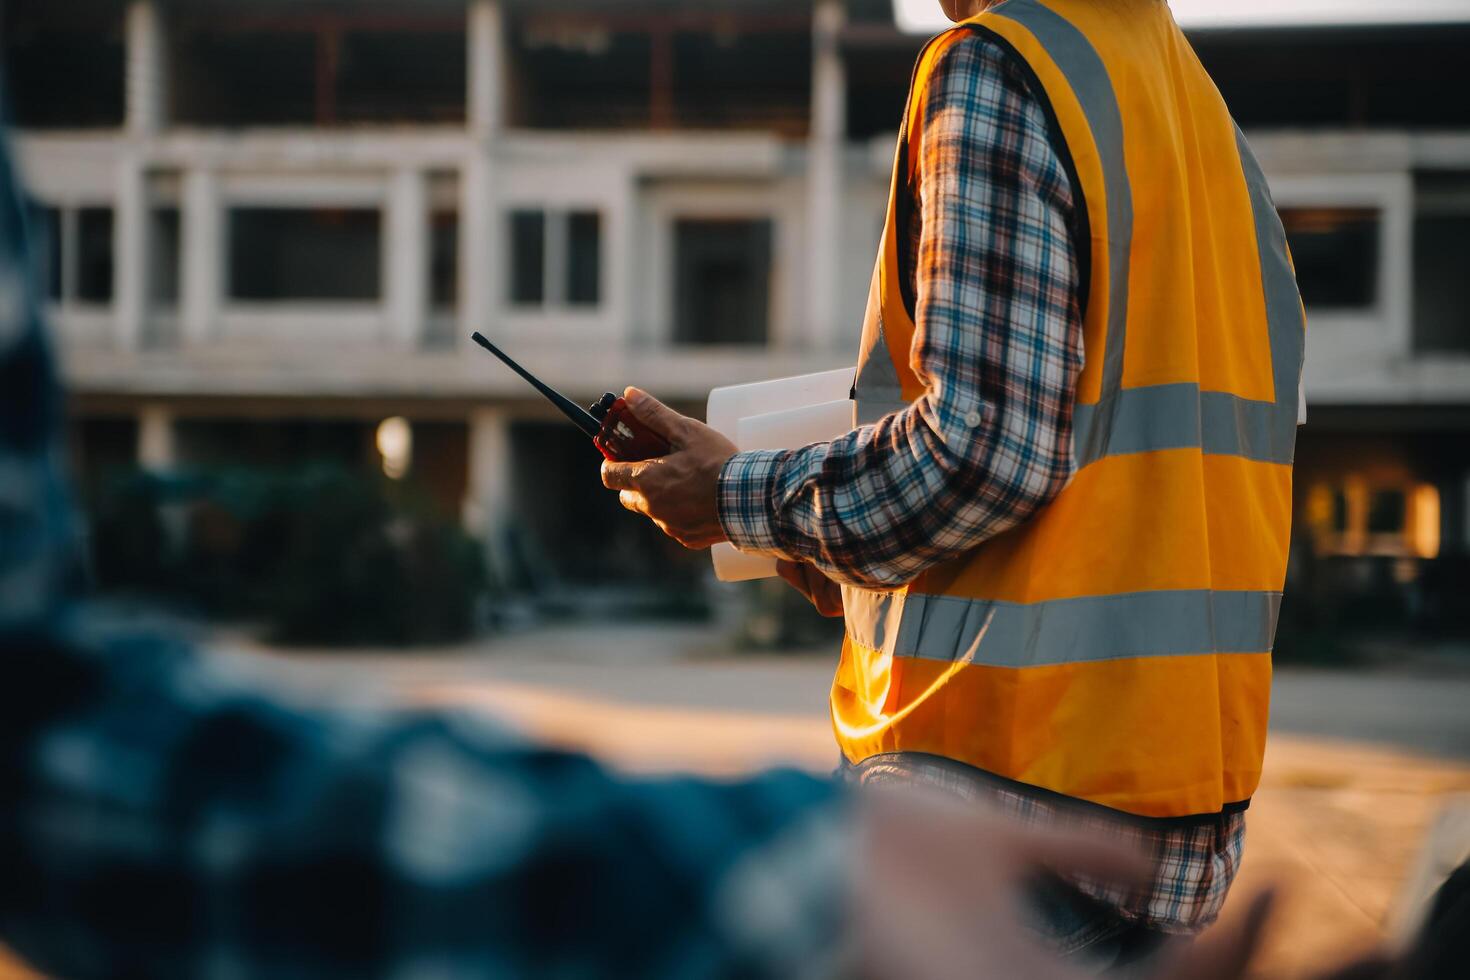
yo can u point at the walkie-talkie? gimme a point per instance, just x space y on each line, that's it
616 433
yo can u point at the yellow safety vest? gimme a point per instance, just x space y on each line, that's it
1115 647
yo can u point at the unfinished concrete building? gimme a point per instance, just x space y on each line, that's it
273 224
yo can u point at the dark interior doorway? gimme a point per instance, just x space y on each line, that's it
567 528
722 281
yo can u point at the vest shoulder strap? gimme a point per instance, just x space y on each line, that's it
911 145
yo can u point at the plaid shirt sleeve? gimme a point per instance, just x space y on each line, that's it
167 813
998 346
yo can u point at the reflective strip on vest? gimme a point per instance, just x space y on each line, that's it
1181 416
1173 416
1089 81
1038 634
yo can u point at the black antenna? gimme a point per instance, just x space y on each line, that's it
569 408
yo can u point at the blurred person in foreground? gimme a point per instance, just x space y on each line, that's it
1059 532
168 813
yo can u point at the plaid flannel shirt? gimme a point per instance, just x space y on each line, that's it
998 344
1194 863
167 813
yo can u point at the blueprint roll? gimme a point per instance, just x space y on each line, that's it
786 413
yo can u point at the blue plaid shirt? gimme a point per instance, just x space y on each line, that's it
998 342
168 813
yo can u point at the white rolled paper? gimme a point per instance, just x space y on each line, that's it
786 413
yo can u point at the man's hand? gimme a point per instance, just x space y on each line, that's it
823 593
677 491
939 893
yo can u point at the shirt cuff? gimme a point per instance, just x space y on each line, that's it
744 499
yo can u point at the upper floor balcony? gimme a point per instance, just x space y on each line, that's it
415 171
294 262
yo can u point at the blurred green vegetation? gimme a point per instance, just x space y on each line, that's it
777 618
328 554
321 555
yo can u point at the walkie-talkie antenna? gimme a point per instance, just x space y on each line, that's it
579 415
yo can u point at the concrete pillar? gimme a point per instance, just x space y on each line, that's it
406 255
478 233
479 274
69 233
146 100
157 451
485 32
487 505
623 266
554 272
147 68
132 252
202 225
824 175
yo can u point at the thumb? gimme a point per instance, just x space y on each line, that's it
1224 952
655 414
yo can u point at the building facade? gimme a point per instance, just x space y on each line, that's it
274 224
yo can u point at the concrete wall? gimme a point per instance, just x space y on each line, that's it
825 195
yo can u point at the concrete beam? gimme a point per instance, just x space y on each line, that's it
202 220
824 175
132 252
406 258
485 33
147 68
478 234
157 449
485 114
487 505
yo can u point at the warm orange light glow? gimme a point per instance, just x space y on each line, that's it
395 445
1319 509
1424 521
1355 533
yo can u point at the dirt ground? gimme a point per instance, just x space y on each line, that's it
1357 769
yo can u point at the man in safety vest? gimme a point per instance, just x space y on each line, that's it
1059 532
